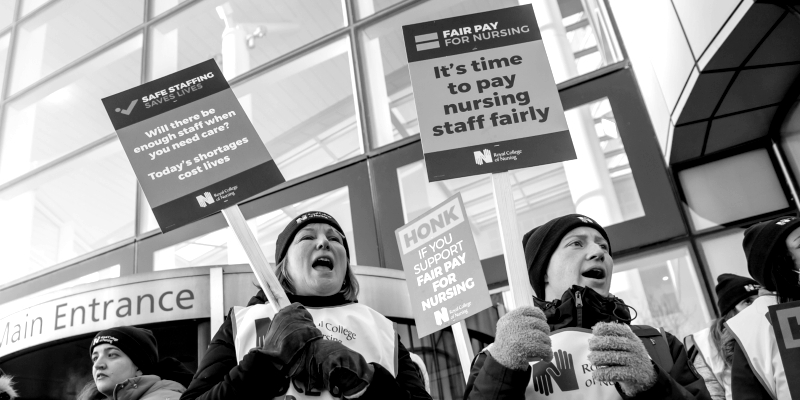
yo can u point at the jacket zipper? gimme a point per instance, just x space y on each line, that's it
579 306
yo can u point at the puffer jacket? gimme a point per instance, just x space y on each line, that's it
489 380
219 376
148 387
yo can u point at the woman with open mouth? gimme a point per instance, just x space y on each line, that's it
325 345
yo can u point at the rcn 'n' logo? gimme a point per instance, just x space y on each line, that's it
482 156
128 110
205 199
441 316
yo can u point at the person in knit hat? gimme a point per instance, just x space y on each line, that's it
324 345
772 249
126 366
577 341
711 349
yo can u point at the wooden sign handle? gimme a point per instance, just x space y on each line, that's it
464 347
516 270
258 261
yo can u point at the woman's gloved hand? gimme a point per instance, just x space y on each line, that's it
522 335
334 367
620 356
291 329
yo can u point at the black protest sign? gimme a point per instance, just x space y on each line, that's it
785 319
485 94
191 145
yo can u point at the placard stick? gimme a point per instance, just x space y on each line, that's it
464 346
258 261
516 270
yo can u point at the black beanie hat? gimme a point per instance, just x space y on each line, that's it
764 247
311 217
138 344
731 289
541 242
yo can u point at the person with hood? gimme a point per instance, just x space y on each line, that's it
325 344
773 260
125 366
7 391
711 349
578 335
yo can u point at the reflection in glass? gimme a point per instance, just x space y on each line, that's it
30 5
238 34
664 289
6 12
730 189
57 36
83 205
598 184
159 6
365 8
724 253
576 42
4 42
304 110
65 113
222 247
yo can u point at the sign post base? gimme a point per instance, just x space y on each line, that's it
258 261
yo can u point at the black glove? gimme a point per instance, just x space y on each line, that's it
332 366
289 333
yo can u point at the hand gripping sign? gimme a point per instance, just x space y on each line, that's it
443 271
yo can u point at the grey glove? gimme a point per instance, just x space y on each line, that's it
291 330
522 335
332 366
620 356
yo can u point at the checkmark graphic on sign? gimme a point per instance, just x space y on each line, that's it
127 111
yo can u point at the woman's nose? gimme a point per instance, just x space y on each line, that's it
595 251
323 243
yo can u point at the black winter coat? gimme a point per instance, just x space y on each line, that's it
220 377
744 383
489 380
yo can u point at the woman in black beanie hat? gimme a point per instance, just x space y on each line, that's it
125 366
773 259
711 349
324 344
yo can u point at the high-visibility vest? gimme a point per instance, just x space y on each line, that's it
713 358
570 372
356 326
756 338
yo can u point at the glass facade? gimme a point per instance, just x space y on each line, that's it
326 86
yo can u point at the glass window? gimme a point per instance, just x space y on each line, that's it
599 184
305 111
6 12
365 8
83 205
159 6
222 247
576 42
790 138
664 289
239 34
60 35
65 113
724 254
4 42
730 189
30 5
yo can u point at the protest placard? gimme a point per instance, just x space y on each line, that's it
485 95
195 152
442 267
191 145
786 324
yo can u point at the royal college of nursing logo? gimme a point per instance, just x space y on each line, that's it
205 199
481 157
441 316
784 221
586 220
104 339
